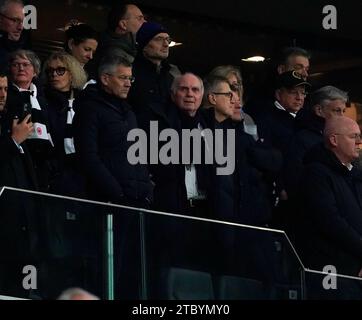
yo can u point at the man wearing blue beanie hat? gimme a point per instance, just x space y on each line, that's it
147 31
150 92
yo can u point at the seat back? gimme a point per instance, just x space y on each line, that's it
185 284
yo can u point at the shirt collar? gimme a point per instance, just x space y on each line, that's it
280 107
349 166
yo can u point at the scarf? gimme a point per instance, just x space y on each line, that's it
69 139
40 128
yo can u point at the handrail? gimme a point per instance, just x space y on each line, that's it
136 210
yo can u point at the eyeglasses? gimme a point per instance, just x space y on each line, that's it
162 39
13 20
20 64
60 71
226 94
123 78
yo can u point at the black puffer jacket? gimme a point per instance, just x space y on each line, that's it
330 224
101 125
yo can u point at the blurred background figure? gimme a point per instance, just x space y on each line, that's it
12 33
81 42
77 294
119 38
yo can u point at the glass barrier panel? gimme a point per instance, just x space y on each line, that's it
51 243
117 252
331 286
190 258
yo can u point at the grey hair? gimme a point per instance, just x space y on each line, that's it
211 84
69 294
176 82
327 94
4 4
29 55
109 64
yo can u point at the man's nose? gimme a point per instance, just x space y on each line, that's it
304 73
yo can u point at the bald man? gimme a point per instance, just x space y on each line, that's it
330 223
76 294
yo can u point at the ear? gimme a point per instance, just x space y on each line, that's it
277 94
318 110
70 44
333 140
211 99
122 24
104 80
281 69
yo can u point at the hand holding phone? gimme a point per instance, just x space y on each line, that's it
22 130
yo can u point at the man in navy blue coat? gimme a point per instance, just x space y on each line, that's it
101 127
102 122
330 224
330 190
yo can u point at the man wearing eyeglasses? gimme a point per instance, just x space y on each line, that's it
219 110
101 128
12 35
154 75
277 123
330 225
291 59
326 102
277 126
101 123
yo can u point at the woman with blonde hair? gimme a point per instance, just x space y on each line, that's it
64 78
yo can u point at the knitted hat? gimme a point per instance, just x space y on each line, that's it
147 31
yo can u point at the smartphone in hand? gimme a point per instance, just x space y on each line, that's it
26 110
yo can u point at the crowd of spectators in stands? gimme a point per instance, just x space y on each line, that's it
64 126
